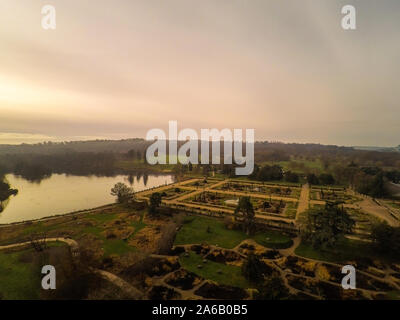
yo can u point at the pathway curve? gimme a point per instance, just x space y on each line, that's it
373 208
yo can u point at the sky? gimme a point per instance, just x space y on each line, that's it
116 69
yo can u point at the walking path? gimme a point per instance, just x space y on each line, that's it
373 208
304 200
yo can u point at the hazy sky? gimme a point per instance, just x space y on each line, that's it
115 69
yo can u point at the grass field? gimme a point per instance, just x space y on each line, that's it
272 239
218 272
291 209
19 278
212 231
113 246
89 223
19 281
297 165
345 250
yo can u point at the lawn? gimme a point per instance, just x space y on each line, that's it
272 239
212 231
229 275
345 250
98 223
117 247
112 246
297 165
20 279
291 209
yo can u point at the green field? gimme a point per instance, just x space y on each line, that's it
345 250
272 239
19 281
297 165
112 246
19 277
89 223
197 230
218 272
210 231
291 209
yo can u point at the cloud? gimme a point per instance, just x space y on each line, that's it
286 69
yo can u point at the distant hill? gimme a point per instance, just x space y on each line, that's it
380 149
116 146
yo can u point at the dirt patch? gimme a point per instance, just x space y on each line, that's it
121 232
146 239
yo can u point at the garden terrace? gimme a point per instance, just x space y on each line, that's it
172 193
266 207
212 231
268 183
325 194
203 183
261 189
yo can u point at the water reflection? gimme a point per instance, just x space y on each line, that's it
62 193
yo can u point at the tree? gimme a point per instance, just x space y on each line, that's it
155 202
268 173
123 193
312 178
326 179
6 191
246 211
372 185
386 238
273 289
253 269
131 154
291 176
324 227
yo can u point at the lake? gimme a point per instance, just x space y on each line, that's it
63 193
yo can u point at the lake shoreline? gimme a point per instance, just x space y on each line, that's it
63 194
55 216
